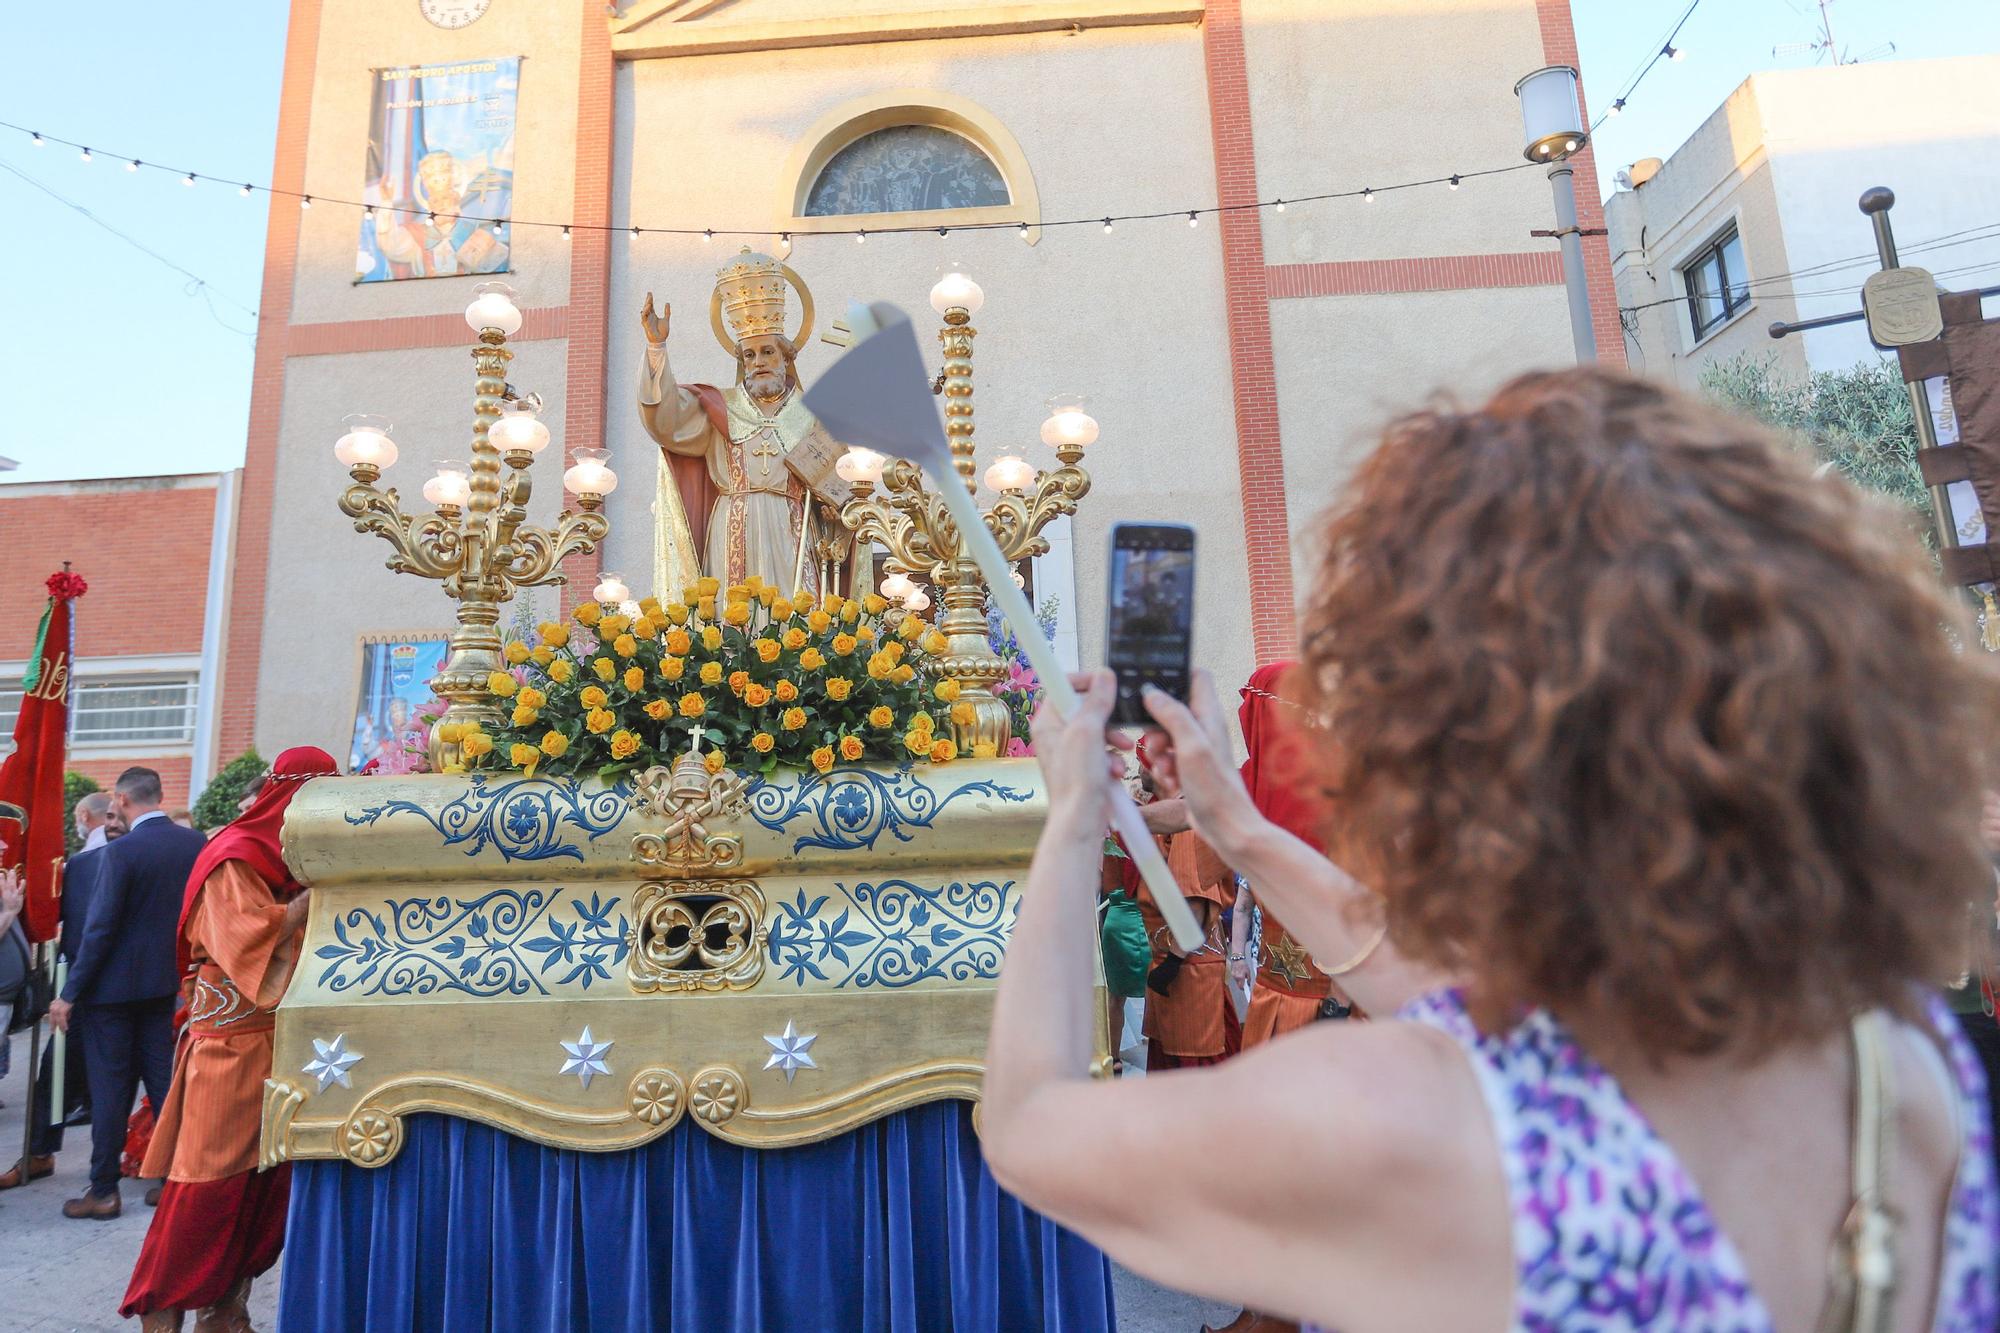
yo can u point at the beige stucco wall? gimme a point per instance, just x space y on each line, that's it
1134 319
359 35
328 584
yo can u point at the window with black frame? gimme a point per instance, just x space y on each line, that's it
1717 283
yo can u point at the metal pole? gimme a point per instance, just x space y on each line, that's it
1562 180
34 1068
1876 203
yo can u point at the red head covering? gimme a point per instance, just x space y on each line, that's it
252 837
1280 772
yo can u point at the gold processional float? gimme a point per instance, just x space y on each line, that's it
582 959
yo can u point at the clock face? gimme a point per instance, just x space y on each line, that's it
453 13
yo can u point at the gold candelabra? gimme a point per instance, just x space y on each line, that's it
921 537
477 541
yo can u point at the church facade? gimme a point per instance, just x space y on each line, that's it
1237 366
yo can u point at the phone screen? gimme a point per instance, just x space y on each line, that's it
1151 612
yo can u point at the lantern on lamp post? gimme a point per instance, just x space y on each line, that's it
1552 118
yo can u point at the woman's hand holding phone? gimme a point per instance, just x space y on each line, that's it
1191 759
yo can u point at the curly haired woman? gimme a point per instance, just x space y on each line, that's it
1658 779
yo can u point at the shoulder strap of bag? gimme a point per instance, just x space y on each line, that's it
1862 1267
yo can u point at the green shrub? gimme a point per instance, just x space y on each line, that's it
217 805
76 786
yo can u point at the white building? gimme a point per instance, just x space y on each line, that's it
1755 218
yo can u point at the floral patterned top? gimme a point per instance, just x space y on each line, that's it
1610 1232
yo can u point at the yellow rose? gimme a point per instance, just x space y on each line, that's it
985 750
705 608
865 633
678 642
893 651
879 667
593 697
599 720
712 761
819 622
935 642
738 592
838 688
542 656
874 604
843 644
589 613
756 695
650 606
450 732
754 585
691 594
677 613
658 710
919 742
781 608
767 595
625 645
515 652
532 697
794 719
613 625
524 715
822 758
812 659
923 722
738 681
555 745
524 757
831 603
711 637
502 684
850 612
562 673
606 669
801 598
693 705
624 745
786 691
946 691
763 742
903 674
737 613
795 638
911 627
646 627
767 650
707 587
944 752
963 714
711 673
475 744
881 716
851 748
672 667
554 635
635 678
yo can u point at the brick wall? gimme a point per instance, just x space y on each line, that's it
589 270
173 771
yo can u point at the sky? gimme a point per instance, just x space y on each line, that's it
120 364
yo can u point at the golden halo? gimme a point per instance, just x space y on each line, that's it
798 340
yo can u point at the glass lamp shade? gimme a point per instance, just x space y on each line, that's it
589 475
918 600
366 443
611 590
898 586
1009 473
451 485
957 291
1068 423
1551 114
518 428
860 465
493 308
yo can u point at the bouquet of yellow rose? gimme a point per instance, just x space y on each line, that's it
766 680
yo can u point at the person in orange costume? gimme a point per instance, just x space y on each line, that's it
221 1221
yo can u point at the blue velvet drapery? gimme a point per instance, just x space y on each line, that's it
896 1226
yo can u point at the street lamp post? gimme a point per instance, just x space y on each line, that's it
1552 115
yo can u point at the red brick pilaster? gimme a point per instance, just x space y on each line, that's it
1559 48
1260 456
588 324
245 635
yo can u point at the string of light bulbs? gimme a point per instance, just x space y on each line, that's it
1667 51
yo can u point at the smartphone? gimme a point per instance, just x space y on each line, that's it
1152 613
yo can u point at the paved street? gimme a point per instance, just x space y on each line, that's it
68 1277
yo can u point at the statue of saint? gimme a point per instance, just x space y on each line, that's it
739 467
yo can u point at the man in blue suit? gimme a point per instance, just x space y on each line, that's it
96 827
120 992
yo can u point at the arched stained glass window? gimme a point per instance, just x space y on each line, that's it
907 169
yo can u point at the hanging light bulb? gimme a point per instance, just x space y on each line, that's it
1281 205
1367 195
1675 52
188 179
369 212
305 202
565 235
1107 226
1024 231
1193 220
785 239
1616 107
245 191
707 236
861 237
86 155
635 233
36 135
133 165
1454 180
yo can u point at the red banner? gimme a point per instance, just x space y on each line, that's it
31 779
